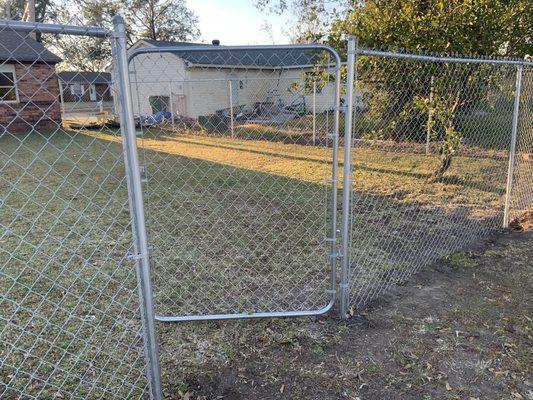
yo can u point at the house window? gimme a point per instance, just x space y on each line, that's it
8 84
77 89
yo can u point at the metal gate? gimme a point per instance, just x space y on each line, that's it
239 178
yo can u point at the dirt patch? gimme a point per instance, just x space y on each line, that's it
458 330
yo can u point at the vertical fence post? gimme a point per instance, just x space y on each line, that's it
61 98
231 107
347 182
512 150
141 257
171 101
314 112
430 114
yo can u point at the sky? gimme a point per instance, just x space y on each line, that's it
237 22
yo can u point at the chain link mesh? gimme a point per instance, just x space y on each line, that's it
238 177
430 160
522 190
69 311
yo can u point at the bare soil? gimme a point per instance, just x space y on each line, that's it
459 330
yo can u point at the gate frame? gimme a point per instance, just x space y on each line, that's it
333 253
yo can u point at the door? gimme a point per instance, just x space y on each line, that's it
92 92
159 103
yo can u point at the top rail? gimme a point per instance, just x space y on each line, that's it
94 31
441 59
211 48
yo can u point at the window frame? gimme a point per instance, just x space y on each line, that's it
10 69
79 85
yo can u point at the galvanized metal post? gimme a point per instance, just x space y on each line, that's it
314 112
430 114
347 182
171 101
231 107
141 257
61 99
512 150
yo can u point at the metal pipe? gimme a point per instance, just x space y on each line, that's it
19 26
440 59
347 182
314 112
231 107
512 150
171 101
335 185
430 114
281 314
127 125
61 98
188 49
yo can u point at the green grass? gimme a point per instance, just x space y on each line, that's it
234 224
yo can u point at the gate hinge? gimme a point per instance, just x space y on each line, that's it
142 171
343 108
335 255
135 257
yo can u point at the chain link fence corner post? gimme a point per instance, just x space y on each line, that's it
512 150
141 255
347 170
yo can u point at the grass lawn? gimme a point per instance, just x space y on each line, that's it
234 225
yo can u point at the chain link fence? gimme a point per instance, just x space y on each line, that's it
238 173
70 311
238 147
433 147
521 195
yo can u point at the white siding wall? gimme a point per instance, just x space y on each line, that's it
202 91
156 75
209 89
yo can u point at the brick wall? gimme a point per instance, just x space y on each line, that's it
39 103
103 92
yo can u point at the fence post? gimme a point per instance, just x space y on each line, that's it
512 150
141 257
430 114
314 112
61 98
231 107
171 101
347 182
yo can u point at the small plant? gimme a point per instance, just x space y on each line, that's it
442 129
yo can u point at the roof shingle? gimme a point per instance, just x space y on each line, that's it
20 47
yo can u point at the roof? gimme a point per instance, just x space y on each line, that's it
15 46
84 77
270 58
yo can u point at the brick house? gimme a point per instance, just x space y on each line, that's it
85 92
29 89
85 87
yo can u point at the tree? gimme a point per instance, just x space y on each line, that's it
162 20
476 27
484 27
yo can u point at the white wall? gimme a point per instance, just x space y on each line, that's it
157 75
202 91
